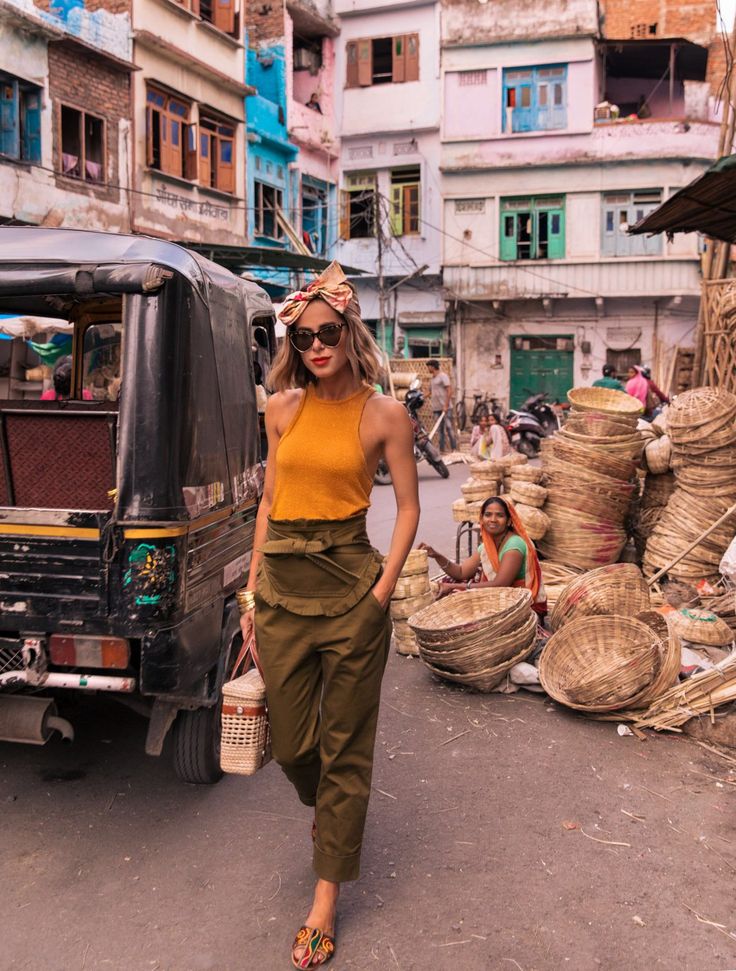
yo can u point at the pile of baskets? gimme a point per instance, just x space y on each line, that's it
474 638
412 592
610 651
701 425
485 480
589 468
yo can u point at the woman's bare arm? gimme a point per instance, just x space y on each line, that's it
398 449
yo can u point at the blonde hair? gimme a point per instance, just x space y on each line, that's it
364 356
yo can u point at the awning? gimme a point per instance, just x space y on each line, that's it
650 58
707 205
238 259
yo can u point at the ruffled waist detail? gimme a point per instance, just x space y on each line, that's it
317 567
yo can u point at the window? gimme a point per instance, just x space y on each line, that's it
535 99
382 60
219 13
358 204
269 202
622 210
170 143
533 229
20 119
314 217
216 154
405 201
82 145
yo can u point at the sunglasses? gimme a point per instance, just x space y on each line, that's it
328 334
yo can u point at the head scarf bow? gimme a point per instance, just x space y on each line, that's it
331 285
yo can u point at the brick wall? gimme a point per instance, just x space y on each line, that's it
264 21
112 6
88 83
639 19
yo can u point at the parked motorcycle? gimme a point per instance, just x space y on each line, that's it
423 447
525 432
540 408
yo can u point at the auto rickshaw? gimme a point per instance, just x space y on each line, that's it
127 509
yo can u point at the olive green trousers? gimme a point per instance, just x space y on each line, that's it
323 677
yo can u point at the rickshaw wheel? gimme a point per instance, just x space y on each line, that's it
196 739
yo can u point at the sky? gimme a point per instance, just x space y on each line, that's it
728 10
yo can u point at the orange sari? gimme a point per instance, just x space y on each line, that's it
490 561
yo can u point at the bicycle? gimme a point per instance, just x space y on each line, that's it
484 405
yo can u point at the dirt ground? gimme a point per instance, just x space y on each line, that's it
504 833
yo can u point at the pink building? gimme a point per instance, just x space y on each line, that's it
554 142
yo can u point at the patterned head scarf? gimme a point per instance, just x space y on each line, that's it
331 285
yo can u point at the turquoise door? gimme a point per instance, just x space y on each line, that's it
541 364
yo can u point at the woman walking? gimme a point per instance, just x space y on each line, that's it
319 591
506 556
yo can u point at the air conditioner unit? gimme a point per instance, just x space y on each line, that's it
306 60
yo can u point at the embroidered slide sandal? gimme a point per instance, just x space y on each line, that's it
318 948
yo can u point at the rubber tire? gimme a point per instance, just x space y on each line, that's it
481 410
382 476
196 739
461 415
526 445
550 426
433 457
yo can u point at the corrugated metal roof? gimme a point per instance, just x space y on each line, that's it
707 205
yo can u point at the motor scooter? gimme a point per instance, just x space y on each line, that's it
423 447
540 408
525 432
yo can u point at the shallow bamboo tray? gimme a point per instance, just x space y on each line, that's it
605 400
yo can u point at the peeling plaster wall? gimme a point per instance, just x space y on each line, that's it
466 22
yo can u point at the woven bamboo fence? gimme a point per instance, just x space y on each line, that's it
418 365
719 332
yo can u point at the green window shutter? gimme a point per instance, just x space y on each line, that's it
397 214
508 235
556 234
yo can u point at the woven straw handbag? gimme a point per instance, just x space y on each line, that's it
246 738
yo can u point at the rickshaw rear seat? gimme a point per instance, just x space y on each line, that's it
57 460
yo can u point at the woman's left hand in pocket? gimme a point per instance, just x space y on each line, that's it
382 595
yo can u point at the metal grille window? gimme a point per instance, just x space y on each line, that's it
621 210
472 78
470 205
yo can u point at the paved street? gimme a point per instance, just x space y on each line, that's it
108 862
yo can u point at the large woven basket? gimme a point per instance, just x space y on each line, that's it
528 493
598 424
416 562
527 473
669 668
471 612
658 454
702 414
477 490
486 470
511 460
404 608
602 663
604 400
412 586
487 678
246 739
700 627
535 521
618 588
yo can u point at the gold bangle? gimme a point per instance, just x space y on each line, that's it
246 600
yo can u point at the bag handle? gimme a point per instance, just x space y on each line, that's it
247 650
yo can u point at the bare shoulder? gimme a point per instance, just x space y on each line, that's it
382 407
282 406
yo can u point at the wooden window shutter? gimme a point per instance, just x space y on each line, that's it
226 164
397 210
412 57
149 136
223 15
344 214
398 45
365 63
190 159
205 157
411 209
351 53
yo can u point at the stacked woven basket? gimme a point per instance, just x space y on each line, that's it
610 651
589 467
474 638
412 592
701 425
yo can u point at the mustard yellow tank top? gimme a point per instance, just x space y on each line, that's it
321 471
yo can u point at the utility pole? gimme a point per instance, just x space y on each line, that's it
381 289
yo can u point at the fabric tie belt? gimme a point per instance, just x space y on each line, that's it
314 567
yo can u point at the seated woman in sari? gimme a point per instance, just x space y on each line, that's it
506 556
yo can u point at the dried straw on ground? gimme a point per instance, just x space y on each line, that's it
699 695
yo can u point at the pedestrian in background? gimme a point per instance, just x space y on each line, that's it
319 592
441 403
609 379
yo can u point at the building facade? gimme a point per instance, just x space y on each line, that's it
65 113
189 121
388 97
555 139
